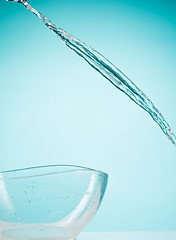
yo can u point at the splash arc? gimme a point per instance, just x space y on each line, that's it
101 64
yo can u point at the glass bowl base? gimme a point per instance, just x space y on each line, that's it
33 233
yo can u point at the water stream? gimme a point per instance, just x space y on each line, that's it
108 70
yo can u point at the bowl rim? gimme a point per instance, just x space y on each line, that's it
74 168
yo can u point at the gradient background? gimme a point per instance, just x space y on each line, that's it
55 109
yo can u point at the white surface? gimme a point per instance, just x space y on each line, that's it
167 235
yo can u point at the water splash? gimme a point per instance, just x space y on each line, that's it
108 70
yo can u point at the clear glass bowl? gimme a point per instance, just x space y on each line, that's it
49 202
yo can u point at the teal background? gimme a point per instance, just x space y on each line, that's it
55 109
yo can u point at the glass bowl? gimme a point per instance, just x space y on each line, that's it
49 202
